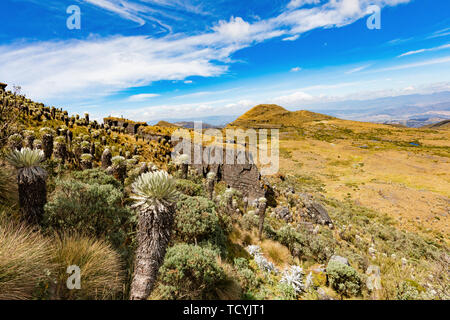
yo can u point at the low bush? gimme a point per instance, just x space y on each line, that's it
305 245
249 221
190 272
196 221
409 290
246 276
97 176
91 209
189 187
344 279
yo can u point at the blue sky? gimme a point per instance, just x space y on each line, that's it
161 59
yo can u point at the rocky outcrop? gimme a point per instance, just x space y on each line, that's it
130 127
283 213
313 211
339 259
152 136
241 175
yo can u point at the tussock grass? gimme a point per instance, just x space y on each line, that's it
100 266
276 252
25 260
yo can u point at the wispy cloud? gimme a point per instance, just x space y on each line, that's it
296 69
125 9
357 69
293 4
101 66
142 97
440 33
294 98
409 53
292 38
415 64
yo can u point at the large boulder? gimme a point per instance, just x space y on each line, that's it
339 259
241 175
283 213
313 211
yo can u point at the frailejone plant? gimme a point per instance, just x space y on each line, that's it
31 181
154 194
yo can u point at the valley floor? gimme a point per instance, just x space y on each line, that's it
404 173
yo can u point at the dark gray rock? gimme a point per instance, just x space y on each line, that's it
339 259
283 213
313 211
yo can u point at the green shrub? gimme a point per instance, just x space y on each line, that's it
91 209
249 221
305 245
292 239
189 188
286 292
190 272
96 175
100 267
343 278
246 276
196 221
409 290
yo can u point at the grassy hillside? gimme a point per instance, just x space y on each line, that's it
274 116
91 183
399 171
440 125
163 123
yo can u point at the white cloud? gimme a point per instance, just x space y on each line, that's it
188 81
235 29
440 33
298 99
445 46
293 38
123 8
415 64
293 99
296 69
237 106
176 111
357 69
293 4
101 66
142 96
141 11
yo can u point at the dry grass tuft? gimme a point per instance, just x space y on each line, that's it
276 252
101 269
24 260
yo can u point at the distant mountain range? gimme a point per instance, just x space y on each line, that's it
415 110
409 110
186 124
207 122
